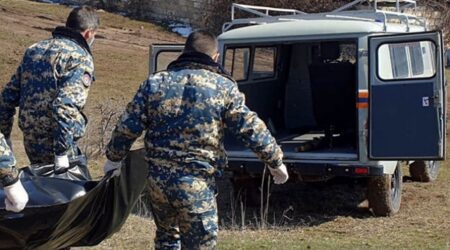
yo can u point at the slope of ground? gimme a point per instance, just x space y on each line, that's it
302 216
121 52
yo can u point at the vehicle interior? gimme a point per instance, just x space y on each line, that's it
305 92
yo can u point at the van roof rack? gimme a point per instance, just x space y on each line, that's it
366 10
399 5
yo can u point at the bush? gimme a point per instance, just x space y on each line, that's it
100 127
215 21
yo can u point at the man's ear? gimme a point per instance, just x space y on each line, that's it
88 34
216 57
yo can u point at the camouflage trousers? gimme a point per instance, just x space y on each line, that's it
39 149
184 208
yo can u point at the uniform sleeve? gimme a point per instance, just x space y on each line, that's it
247 126
73 88
131 125
9 100
8 173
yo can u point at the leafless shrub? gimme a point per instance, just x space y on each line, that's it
101 124
237 211
243 213
437 13
111 5
265 198
215 21
142 207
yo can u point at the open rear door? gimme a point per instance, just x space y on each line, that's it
407 97
161 55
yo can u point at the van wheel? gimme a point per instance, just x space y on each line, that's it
385 193
424 171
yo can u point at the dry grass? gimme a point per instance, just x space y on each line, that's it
137 233
421 224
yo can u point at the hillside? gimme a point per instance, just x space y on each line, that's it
306 216
121 52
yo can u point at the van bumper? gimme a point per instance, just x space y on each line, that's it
311 169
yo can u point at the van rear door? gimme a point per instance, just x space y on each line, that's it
161 55
407 97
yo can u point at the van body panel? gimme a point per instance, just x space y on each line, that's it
363 89
388 166
333 163
300 29
407 111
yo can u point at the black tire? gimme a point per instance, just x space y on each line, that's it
385 193
424 171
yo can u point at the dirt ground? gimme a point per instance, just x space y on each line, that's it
301 216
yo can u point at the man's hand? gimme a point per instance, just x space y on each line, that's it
16 197
61 162
280 174
113 166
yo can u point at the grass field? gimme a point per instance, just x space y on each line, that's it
316 217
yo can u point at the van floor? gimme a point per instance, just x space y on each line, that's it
303 147
314 142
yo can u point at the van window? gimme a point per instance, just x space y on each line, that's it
164 58
399 58
237 62
264 63
415 52
406 60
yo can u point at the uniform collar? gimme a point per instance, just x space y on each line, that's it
64 32
196 60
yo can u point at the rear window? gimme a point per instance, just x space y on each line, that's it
415 52
406 60
264 62
237 62
164 58
251 63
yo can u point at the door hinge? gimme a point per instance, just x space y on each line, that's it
363 53
436 101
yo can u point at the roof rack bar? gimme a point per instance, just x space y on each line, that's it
261 11
373 14
398 4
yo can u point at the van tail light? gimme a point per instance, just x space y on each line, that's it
362 170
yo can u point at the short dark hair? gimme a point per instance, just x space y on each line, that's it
201 41
83 18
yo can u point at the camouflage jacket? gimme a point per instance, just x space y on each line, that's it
8 173
185 111
50 88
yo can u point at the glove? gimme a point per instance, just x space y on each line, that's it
112 166
280 174
8 141
61 163
16 197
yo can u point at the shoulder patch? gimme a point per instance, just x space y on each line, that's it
87 79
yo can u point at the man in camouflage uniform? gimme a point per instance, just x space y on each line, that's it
16 196
50 88
185 111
